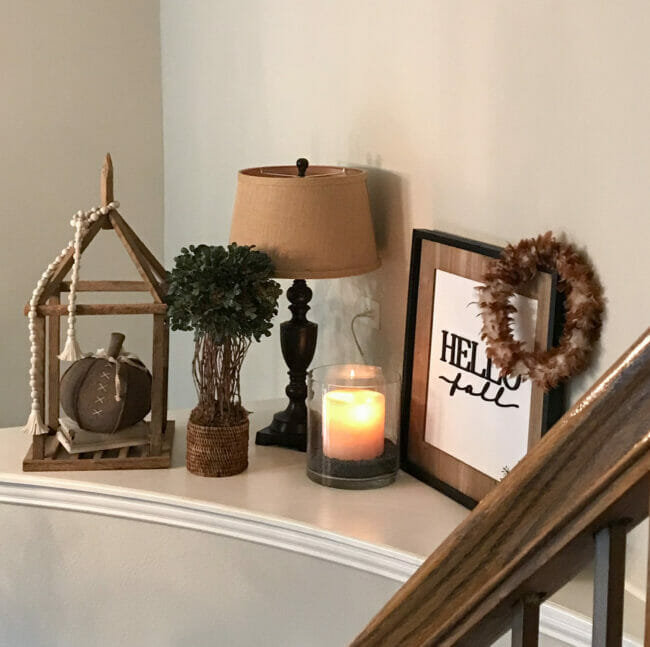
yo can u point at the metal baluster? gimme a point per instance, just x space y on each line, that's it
609 586
646 642
525 622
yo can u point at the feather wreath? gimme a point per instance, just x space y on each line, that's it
518 265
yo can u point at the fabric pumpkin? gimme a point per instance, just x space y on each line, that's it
107 391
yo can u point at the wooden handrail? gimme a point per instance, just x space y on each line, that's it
535 531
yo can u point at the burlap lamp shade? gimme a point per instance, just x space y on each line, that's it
314 222
313 227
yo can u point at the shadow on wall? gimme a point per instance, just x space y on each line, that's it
336 302
385 193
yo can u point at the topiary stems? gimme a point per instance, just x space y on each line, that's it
216 369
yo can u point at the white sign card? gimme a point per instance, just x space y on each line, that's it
473 414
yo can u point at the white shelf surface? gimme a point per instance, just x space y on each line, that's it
387 531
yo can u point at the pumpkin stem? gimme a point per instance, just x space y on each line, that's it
115 345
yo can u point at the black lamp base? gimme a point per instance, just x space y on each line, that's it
282 432
298 342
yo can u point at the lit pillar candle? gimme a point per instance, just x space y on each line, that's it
353 424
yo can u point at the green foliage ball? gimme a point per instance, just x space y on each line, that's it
222 292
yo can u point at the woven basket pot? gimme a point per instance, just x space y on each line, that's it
217 451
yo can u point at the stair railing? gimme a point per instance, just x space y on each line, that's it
573 498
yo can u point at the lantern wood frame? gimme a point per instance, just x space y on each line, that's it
46 453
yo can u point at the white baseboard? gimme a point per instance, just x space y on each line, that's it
570 627
221 520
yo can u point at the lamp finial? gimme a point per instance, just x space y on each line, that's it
302 165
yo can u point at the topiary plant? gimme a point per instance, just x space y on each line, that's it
227 297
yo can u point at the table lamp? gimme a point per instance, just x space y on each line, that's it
314 222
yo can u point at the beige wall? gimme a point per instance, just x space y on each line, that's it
495 120
79 78
159 586
491 119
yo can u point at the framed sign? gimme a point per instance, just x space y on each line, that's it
463 425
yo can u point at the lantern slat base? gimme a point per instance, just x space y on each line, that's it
57 459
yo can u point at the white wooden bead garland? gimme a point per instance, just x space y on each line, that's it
71 352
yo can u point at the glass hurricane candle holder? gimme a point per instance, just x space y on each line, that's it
353 426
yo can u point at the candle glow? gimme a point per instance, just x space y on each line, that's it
353 424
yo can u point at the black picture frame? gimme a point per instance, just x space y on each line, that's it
553 402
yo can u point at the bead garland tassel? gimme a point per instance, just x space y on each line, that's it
81 221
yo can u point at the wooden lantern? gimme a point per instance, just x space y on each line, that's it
46 453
